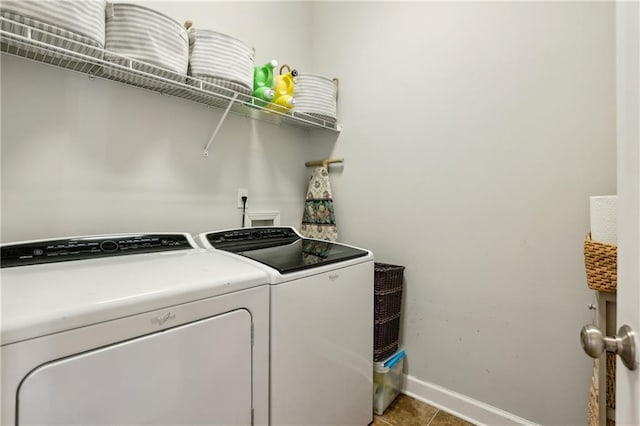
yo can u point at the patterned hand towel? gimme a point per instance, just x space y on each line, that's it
318 220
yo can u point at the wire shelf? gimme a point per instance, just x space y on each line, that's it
28 42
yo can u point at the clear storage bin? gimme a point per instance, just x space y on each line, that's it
387 381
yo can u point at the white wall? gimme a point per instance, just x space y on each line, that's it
82 156
473 135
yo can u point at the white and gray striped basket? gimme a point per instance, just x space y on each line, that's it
156 43
316 95
76 26
221 59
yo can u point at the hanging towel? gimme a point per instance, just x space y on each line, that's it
318 220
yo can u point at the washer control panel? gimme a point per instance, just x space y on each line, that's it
60 250
252 238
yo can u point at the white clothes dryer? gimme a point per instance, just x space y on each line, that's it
321 324
132 329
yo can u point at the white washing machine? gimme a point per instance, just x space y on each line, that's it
132 329
321 324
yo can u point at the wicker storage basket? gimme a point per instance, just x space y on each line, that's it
611 381
601 264
387 306
609 389
593 411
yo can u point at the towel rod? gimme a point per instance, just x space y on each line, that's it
324 163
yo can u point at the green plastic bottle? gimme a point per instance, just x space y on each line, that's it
263 82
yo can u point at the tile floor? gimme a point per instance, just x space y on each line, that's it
406 411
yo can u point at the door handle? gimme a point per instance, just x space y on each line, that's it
624 344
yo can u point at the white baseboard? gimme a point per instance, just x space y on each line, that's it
459 405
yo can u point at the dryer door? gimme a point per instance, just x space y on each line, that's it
197 373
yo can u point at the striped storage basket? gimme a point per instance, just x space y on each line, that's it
221 60
158 45
316 95
77 25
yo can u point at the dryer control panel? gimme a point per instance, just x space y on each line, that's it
61 250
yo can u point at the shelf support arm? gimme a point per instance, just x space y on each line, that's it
224 116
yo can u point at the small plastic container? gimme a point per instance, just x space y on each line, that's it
387 381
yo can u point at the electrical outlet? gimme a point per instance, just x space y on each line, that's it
243 192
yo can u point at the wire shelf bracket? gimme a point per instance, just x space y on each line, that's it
217 129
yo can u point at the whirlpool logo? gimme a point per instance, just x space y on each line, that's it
161 319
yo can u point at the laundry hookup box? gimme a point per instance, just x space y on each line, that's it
387 381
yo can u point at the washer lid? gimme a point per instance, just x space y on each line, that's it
49 298
303 254
281 248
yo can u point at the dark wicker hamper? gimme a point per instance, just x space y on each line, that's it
387 305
